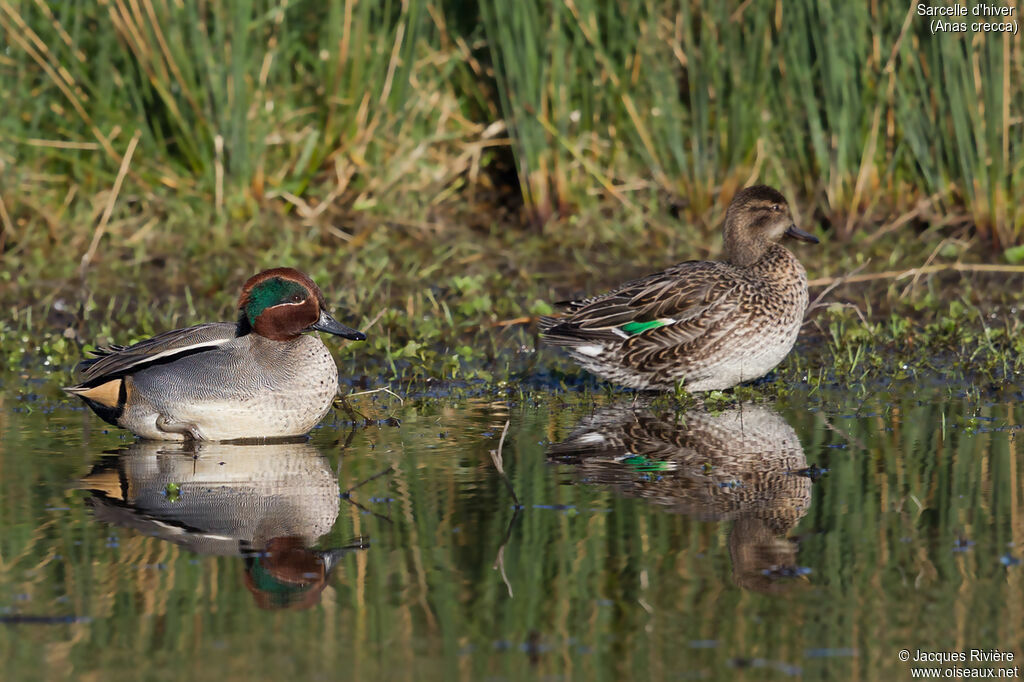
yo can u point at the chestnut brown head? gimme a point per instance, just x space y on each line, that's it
282 303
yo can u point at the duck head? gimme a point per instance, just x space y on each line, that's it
282 303
758 217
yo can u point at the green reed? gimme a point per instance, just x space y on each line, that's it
394 107
235 103
703 97
955 105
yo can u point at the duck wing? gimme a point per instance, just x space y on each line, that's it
667 308
616 432
114 361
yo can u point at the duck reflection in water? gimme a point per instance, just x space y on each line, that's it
743 464
268 503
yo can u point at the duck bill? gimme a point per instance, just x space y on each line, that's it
328 324
796 233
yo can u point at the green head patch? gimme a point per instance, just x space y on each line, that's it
271 292
265 581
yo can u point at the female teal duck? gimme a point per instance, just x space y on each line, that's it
708 324
257 378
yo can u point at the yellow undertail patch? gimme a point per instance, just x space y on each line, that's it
107 482
108 394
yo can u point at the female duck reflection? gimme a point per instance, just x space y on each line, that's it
743 464
268 503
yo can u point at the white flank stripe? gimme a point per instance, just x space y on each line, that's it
592 438
183 349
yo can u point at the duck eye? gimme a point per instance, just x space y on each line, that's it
776 208
296 298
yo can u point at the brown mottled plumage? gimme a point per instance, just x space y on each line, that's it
740 465
709 324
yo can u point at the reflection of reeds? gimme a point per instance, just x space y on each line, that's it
879 538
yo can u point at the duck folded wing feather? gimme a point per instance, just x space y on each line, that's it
662 305
118 360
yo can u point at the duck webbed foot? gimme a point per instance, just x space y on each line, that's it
187 429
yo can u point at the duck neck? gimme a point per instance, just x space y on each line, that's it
744 254
243 326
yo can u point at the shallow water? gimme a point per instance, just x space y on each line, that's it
805 539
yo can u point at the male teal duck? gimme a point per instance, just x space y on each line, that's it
708 324
259 377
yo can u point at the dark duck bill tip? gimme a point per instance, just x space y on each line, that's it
328 324
796 233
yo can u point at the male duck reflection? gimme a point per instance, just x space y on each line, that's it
739 465
267 503
257 378
709 324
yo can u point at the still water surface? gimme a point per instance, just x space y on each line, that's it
805 539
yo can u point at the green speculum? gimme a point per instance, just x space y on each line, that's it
635 328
